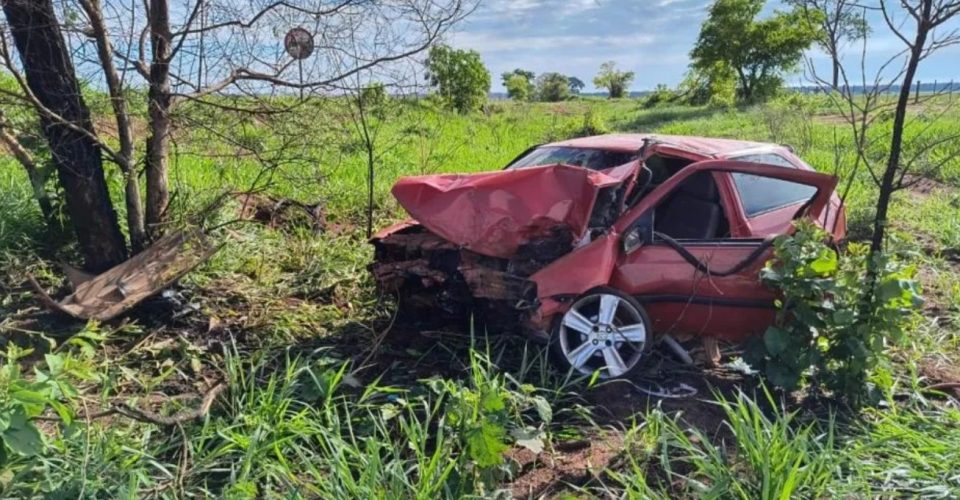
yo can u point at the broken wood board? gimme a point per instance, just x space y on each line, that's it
114 292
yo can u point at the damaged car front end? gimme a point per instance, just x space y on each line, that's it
478 239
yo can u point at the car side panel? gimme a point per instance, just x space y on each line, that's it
683 301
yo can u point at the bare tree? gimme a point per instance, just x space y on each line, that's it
35 172
923 28
124 157
52 88
232 48
220 54
840 21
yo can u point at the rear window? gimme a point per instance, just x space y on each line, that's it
766 158
760 195
594 159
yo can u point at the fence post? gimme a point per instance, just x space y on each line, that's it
916 94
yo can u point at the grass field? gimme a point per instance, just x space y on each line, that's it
313 405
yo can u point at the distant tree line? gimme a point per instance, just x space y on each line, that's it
461 81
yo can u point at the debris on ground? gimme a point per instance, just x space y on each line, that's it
114 292
275 212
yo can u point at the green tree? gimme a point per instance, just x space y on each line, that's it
576 84
459 76
553 87
716 86
519 84
615 81
519 88
758 51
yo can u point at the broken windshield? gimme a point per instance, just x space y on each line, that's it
594 159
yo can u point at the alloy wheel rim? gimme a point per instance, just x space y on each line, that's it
603 332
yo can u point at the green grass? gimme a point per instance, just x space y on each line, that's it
284 316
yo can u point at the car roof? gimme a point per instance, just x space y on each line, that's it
707 146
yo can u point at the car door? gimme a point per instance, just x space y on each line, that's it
706 285
769 204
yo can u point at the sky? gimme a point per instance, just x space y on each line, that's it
652 38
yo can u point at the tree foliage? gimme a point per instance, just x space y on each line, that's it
615 81
758 51
715 86
576 84
459 76
553 87
519 84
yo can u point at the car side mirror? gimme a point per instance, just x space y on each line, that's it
639 234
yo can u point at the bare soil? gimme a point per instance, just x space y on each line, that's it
573 463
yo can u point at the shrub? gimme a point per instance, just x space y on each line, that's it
660 95
831 330
591 125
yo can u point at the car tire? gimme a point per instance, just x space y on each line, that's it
614 345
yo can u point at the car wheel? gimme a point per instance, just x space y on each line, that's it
604 330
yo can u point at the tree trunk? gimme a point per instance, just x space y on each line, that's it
135 223
51 78
37 180
158 102
836 71
896 143
745 91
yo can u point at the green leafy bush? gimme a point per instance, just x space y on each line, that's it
23 399
488 414
661 95
831 330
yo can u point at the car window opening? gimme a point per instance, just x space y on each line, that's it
693 211
760 195
657 169
664 167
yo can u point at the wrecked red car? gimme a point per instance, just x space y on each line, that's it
603 245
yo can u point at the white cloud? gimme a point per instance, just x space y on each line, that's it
489 42
578 6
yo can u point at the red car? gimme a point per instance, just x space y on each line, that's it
604 244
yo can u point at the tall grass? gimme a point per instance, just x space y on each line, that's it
759 451
297 423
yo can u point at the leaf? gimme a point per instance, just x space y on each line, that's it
22 436
783 376
492 402
530 438
485 444
825 263
5 417
776 340
55 363
543 409
29 397
389 411
844 317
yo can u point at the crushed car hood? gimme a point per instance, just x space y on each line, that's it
494 213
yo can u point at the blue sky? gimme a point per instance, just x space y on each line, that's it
652 38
